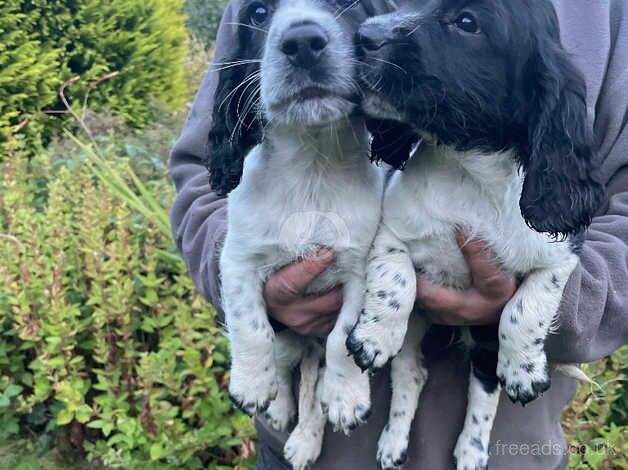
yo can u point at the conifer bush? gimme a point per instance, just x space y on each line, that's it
43 43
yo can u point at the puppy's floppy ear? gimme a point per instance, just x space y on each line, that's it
560 191
392 141
236 126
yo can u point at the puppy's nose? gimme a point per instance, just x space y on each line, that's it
371 37
303 44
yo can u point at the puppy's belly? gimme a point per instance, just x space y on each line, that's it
441 260
347 262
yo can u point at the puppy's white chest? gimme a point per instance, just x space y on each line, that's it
424 204
303 212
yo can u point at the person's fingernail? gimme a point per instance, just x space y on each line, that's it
325 255
462 234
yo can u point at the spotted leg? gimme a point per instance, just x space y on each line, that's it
253 381
391 291
471 451
408 376
525 323
346 390
304 443
289 350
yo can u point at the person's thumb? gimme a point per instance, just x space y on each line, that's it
293 279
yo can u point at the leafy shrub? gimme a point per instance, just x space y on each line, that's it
596 422
203 18
103 336
46 42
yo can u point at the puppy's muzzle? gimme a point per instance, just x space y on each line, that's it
371 37
304 44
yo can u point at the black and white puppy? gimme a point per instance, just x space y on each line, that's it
506 152
286 101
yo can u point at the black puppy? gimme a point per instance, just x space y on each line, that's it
506 152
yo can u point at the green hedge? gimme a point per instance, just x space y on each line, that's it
103 334
45 42
203 18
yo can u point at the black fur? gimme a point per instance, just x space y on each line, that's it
392 141
236 124
509 86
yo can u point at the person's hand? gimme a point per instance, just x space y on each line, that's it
284 294
483 302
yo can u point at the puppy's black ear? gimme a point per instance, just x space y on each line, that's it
560 191
236 126
391 141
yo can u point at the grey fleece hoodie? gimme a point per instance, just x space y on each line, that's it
593 319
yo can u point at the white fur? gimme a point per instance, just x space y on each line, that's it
471 451
440 189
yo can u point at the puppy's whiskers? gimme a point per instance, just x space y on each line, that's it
390 63
228 65
250 26
346 9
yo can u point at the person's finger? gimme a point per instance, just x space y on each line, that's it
322 326
327 303
479 257
292 280
437 298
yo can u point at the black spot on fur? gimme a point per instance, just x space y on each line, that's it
528 367
475 442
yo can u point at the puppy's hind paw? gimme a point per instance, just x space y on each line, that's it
346 402
303 447
392 450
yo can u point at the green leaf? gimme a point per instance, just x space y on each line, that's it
156 451
83 413
4 401
13 390
64 417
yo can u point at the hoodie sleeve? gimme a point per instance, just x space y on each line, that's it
593 318
198 216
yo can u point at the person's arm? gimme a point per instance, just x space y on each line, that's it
593 317
199 219
198 215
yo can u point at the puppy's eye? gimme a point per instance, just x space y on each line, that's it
258 14
467 23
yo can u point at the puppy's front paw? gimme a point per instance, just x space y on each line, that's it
282 411
392 449
346 399
523 377
375 339
303 446
253 392
471 452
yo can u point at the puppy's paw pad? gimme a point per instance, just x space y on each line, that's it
524 379
347 402
303 447
253 395
376 339
281 413
471 453
392 449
